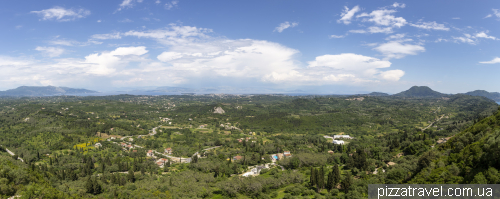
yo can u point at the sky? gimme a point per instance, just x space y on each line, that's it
341 47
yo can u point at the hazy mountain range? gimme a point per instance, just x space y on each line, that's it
414 91
44 91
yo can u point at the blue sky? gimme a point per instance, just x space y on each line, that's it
315 46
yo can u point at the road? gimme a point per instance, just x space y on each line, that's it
176 159
433 122
12 154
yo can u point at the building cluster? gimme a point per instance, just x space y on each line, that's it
168 150
244 139
255 171
126 147
336 137
280 156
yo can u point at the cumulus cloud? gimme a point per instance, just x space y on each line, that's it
61 14
467 38
127 4
170 5
484 35
376 29
337 36
495 60
107 63
285 25
107 36
496 13
358 31
346 15
192 55
397 49
383 18
50 51
398 5
473 39
430 26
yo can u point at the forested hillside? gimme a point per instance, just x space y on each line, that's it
179 147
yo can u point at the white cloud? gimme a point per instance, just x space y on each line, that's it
172 4
50 51
398 5
455 18
467 39
194 57
357 31
126 20
127 4
430 26
337 36
169 56
99 21
392 75
496 13
106 63
285 25
346 15
376 29
495 60
474 39
157 1
61 14
397 50
383 18
484 35
396 37
107 36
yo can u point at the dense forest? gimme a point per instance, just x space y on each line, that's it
110 146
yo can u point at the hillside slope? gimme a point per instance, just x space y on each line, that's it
472 156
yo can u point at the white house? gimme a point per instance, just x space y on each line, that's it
342 136
338 142
97 145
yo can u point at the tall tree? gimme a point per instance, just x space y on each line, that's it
347 182
131 176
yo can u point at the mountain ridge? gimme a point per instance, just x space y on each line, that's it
31 91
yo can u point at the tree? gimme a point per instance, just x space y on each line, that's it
336 175
194 159
131 176
312 177
92 186
347 182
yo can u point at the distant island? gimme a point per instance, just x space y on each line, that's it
33 91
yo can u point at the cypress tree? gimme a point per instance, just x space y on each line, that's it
347 182
336 175
329 182
313 176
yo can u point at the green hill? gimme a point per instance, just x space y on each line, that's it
43 91
420 91
493 95
471 156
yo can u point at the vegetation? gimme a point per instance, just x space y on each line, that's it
396 140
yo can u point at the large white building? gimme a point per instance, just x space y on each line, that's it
342 136
338 141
